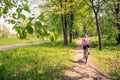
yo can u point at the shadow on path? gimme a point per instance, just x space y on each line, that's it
80 61
85 75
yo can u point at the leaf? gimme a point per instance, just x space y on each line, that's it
22 16
14 15
41 17
12 21
38 28
26 7
8 3
38 25
23 35
19 15
5 10
31 18
21 31
29 29
0 14
17 29
29 23
18 10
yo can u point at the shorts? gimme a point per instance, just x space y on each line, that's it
84 46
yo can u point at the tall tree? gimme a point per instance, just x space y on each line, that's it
113 15
71 20
95 4
117 14
64 24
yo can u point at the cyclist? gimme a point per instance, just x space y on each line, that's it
86 46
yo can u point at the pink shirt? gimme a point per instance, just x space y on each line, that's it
86 41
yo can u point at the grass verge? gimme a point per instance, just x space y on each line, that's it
38 62
108 59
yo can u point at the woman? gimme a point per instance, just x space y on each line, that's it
86 43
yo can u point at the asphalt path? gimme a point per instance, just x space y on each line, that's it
2 48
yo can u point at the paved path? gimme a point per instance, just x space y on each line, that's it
21 45
81 71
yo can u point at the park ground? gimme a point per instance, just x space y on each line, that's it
81 71
55 62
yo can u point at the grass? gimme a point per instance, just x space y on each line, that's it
38 62
108 59
11 41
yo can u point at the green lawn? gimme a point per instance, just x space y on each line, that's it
38 62
108 59
10 41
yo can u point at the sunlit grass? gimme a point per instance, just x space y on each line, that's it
38 62
11 41
108 59
106 56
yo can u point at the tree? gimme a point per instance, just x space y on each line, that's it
64 24
63 15
59 11
117 17
113 16
71 20
96 6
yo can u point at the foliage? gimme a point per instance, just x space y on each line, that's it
84 20
113 16
48 19
81 16
19 14
107 59
15 12
108 28
38 62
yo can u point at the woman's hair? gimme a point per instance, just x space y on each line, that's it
85 35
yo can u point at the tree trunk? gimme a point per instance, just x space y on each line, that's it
96 10
71 23
117 9
64 25
71 37
98 31
71 26
84 28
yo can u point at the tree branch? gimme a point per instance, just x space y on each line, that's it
86 2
